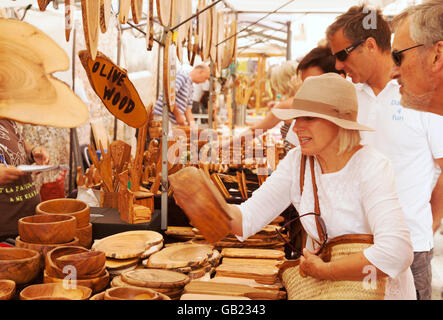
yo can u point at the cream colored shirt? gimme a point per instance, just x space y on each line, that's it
358 199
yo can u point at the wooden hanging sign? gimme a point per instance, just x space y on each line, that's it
112 85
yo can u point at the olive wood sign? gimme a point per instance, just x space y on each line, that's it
112 85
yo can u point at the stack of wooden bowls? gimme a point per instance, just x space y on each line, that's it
19 265
78 266
125 250
7 289
170 283
46 232
194 260
55 291
71 207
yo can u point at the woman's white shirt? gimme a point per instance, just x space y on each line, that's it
358 199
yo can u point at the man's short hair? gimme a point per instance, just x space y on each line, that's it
357 24
426 22
320 57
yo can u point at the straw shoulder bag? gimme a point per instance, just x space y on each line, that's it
308 288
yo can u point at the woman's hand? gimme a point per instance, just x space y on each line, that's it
312 265
9 174
40 155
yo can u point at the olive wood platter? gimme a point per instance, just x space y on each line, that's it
155 278
179 256
91 25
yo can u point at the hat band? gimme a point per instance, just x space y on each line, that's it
323 108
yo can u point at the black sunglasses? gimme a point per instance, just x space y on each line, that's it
343 54
284 229
397 56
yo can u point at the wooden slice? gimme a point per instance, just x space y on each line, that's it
91 22
155 278
187 255
169 71
129 244
164 8
68 19
136 10
252 253
105 14
150 25
125 6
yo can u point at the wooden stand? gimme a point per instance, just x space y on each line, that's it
130 211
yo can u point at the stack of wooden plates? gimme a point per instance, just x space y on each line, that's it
170 283
125 250
193 260
77 266
180 233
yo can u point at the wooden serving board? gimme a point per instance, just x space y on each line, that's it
155 278
91 22
231 289
261 273
115 265
252 253
187 255
127 245
252 262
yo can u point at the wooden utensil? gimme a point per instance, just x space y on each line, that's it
125 6
51 266
7 289
54 290
220 185
150 25
169 71
164 8
68 19
42 4
105 15
136 10
84 236
50 229
91 22
19 265
186 255
115 265
262 273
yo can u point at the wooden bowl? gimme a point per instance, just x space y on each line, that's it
84 236
54 291
18 264
73 207
47 229
51 266
91 262
98 296
131 293
43 249
7 289
96 284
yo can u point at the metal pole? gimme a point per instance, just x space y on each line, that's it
164 151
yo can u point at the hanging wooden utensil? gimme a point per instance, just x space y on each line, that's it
169 71
150 25
164 8
42 4
105 14
207 34
200 26
214 35
68 19
125 6
91 22
136 10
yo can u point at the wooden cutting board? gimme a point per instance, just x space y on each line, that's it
155 278
105 14
261 273
252 253
91 23
127 245
179 256
252 262
231 289
125 6
164 8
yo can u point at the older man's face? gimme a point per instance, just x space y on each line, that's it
417 85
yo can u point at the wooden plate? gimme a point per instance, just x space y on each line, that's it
91 22
125 6
208 211
150 25
105 14
127 245
136 10
7 289
186 255
169 71
164 11
155 278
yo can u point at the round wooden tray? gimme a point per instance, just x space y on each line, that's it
155 278
127 245
179 256
91 23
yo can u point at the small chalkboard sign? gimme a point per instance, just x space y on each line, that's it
112 85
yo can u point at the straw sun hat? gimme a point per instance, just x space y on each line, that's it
328 96
28 91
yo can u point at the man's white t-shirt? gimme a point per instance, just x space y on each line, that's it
411 140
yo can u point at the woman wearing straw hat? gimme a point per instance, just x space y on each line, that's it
351 184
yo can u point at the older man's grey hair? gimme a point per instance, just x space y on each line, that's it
426 22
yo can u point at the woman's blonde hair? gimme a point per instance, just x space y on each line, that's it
282 78
347 140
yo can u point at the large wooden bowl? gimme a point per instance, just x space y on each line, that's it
86 263
20 265
84 236
73 207
47 229
53 291
7 289
131 293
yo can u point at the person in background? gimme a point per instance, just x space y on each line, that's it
182 114
18 195
418 56
412 140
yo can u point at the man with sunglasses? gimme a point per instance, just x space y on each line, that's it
360 40
418 56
